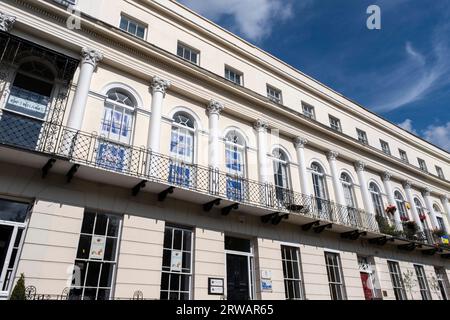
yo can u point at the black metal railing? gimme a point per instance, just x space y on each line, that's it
96 151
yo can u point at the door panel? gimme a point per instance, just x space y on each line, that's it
238 284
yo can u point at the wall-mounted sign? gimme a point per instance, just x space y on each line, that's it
176 260
266 274
27 102
266 285
215 286
97 247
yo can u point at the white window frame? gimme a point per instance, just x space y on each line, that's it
440 172
133 21
422 165
397 278
423 282
184 47
403 155
274 94
335 123
362 136
308 111
340 285
400 204
229 71
290 263
385 147
190 274
377 199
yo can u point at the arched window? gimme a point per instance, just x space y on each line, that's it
318 176
349 190
118 114
235 153
280 171
439 217
377 199
182 141
235 164
421 212
401 207
320 190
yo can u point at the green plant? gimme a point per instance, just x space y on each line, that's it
385 227
439 232
19 289
410 229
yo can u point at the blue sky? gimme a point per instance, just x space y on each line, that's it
401 72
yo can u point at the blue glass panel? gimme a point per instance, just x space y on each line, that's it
111 156
179 175
234 189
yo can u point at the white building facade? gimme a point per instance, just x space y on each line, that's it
147 153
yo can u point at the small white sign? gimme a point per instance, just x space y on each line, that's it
97 247
216 290
176 260
266 274
216 282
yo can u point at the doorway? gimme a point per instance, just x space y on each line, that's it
239 267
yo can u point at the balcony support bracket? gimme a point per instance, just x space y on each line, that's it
407 247
274 218
321 228
138 188
208 206
353 235
308 226
46 168
226 211
163 194
72 172
381 241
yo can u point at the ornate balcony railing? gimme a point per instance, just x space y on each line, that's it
96 151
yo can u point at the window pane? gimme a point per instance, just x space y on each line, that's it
177 238
107 273
93 274
84 246
100 224
110 249
13 211
123 24
141 32
88 222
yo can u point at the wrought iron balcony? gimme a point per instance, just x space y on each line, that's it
87 149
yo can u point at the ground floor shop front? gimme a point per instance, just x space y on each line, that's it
88 240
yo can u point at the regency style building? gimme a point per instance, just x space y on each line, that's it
147 153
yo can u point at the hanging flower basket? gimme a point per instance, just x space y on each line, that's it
422 217
390 209
404 219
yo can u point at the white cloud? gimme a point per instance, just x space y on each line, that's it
254 19
407 125
439 135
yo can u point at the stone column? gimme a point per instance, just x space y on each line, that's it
337 185
300 143
6 22
368 205
446 205
261 128
214 109
429 204
386 177
89 62
410 199
158 87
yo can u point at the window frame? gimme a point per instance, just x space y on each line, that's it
236 73
397 279
336 127
362 136
273 98
422 164
403 155
336 270
422 280
192 50
385 148
310 115
375 196
138 24
299 282
440 172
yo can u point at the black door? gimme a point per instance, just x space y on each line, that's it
238 284
5 238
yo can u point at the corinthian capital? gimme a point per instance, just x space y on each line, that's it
260 125
360 165
215 107
332 155
444 198
386 176
160 85
6 22
91 56
300 142
426 192
407 184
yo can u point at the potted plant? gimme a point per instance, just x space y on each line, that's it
18 292
385 227
390 209
439 232
410 229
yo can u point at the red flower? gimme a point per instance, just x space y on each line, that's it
391 209
404 219
422 217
